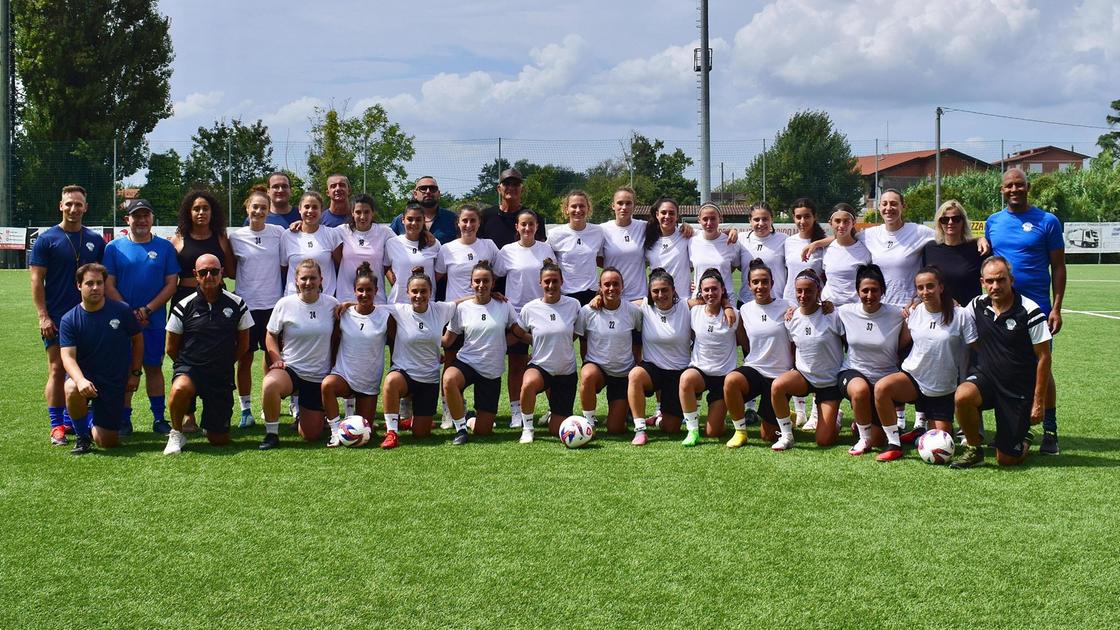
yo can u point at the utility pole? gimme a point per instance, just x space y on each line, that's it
937 161
6 72
703 64
764 170
876 191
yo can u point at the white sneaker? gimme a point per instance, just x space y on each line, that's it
176 440
799 421
783 444
447 422
654 421
515 420
526 436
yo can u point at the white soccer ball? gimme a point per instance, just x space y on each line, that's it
936 447
354 431
575 431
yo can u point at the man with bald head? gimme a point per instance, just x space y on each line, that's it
207 332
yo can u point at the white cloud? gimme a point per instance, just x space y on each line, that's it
293 114
197 103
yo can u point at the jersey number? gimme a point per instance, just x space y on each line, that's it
663 319
626 238
312 315
414 250
764 317
257 239
484 317
552 317
362 326
870 327
759 248
470 256
421 324
310 244
579 241
808 331
610 325
711 329
933 325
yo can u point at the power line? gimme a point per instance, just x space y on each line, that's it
1033 120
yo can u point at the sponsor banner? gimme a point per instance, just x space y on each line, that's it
13 238
1092 238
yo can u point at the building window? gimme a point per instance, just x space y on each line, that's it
1065 166
1034 167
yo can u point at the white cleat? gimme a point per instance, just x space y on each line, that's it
176 440
526 436
783 444
515 421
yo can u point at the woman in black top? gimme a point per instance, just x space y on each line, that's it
954 252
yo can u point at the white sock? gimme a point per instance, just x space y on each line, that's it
460 423
515 409
892 434
527 422
785 425
919 419
590 415
334 426
692 420
658 408
391 422
740 424
639 424
799 404
246 403
752 404
814 415
272 427
350 406
864 432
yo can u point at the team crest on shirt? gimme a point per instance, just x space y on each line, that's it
114 323
227 311
361 242
1028 226
1010 324
89 246
152 255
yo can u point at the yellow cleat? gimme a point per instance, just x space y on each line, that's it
737 440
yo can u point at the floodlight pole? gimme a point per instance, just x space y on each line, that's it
6 72
703 65
937 162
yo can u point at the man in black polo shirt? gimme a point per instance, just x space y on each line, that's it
499 223
206 333
1013 369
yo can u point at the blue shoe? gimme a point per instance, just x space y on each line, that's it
246 419
125 429
161 426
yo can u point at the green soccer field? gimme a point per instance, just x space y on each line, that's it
498 534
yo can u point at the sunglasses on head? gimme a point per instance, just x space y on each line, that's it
208 272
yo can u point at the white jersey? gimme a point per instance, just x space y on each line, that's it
521 267
553 327
664 341
840 265
258 265
457 260
714 254
295 247
671 254
872 339
714 351
416 346
623 249
820 350
899 255
357 248
938 351
771 250
305 334
770 351
361 349
576 254
483 328
608 335
402 255
794 265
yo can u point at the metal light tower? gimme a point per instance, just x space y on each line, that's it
6 72
702 63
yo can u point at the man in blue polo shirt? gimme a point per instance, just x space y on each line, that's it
280 210
55 257
338 199
1031 240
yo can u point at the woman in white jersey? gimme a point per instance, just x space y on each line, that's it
414 370
819 353
842 257
578 246
874 333
608 326
768 245
711 249
358 346
310 240
363 241
941 333
482 322
414 248
666 246
768 353
550 323
624 244
804 213
299 354
257 249
714 354
456 262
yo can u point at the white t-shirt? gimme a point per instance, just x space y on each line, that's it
483 328
357 248
457 260
794 265
553 327
714 351
623 249
361 349
402 255
664 340
820 350
840 265
296 247
938 350
305 334
770 351
608 336
417 343
899 255
258 265
872 339
671 254
521 267
772 250
576 254
716 253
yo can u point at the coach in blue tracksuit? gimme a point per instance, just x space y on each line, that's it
102 347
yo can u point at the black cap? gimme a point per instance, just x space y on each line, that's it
137 205
511 173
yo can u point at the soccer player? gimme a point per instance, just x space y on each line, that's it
666 246
363 240
206 334
666 353
415 247
714 355
578 246
312 241
711 249
843 257
143 271
608 324
804 213
102 348
55 258
767 244
1014 369
1031 240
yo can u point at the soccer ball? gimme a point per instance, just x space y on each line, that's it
575 431
936 446
354 431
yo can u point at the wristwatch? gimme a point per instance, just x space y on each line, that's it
136 372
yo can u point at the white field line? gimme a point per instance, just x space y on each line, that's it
1066 310
1091 280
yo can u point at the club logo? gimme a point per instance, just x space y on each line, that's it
89 246
1010 324
228 312
1028 226
152 255
114 323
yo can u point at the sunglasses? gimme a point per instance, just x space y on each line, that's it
946 220
208 272
427 188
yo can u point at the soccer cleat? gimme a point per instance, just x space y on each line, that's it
799 421
752 418
333 441
390 440
890 453
58 436
969 457
460 438
738 439
246 419
270 441
1049 444
125 430
175 443
82 446
405 424
164 428
189 425
859 448
692 439
526 436
515 420
447 423
640 438
655 419
783 444
912 435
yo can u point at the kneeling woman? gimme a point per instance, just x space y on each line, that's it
608 326
414 371
941 331
715 325
299 354
359 350
666 352
483 323
818 339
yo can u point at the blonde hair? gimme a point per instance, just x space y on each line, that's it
939 230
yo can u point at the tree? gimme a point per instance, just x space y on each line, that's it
544 185
88 72
809 158
166 185
665 171
978 192
229 151
1110 142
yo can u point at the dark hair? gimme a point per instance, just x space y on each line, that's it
762 205
870 271
759 265
278 174
524 210
946 295
895 191
73 188
217 217
659 273
94 267
610 269
809 273
483 265
418 274
805 202
357 199
423 241
365 271
549 264
712 272
653 227
844 207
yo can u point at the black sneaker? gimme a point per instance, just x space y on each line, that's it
970 456
1049 443
460 438
82 446
271 440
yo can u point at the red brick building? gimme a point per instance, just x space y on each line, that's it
1046 159
900 170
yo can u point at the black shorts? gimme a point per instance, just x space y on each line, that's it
487 391
560 389
827 393
310 394
935 407
668 383
583 297
107 407
616 385
714 385
423 395
518 349
759 387
216 392
845 378
259 330
1013 411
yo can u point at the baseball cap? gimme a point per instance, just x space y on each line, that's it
139 204
511 173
